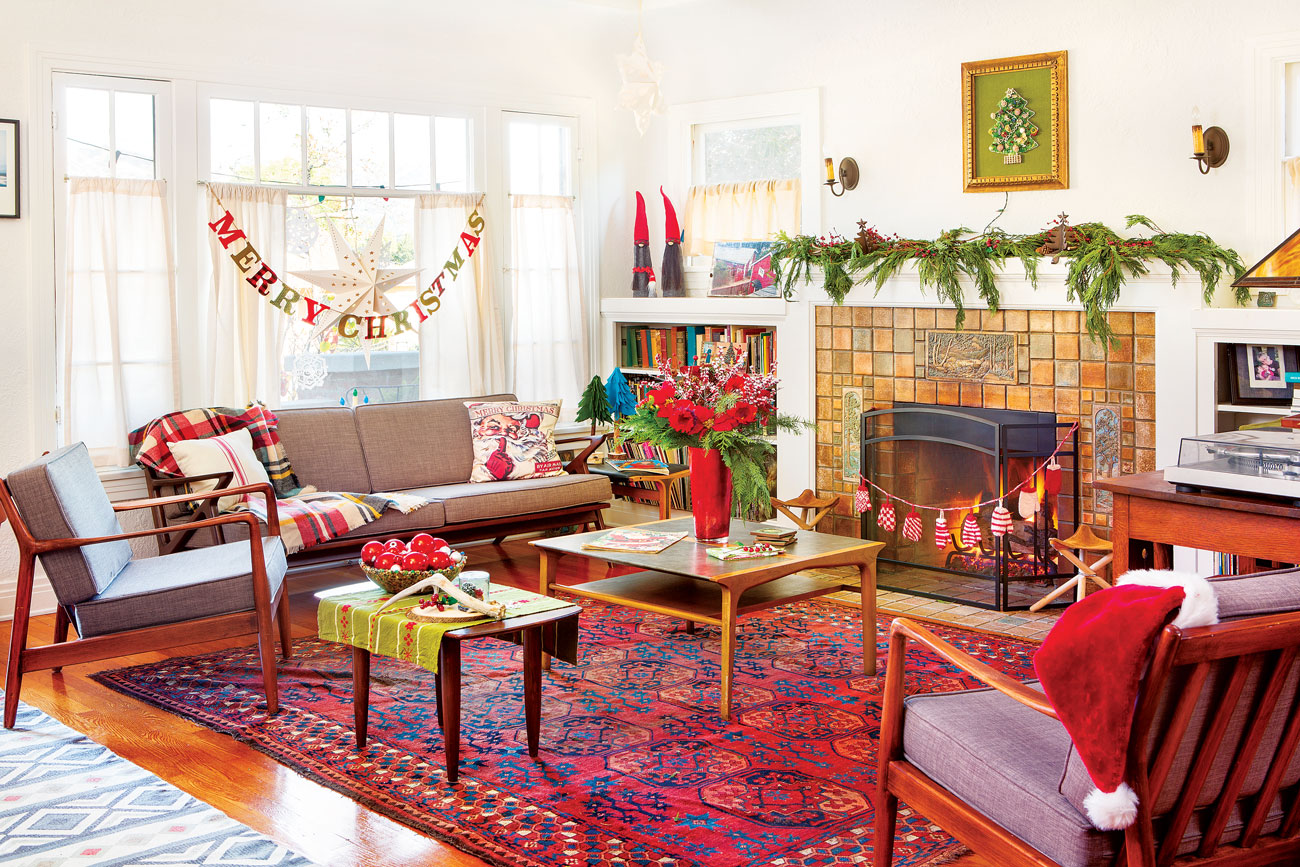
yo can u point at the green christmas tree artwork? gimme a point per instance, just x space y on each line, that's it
1013 132
593 406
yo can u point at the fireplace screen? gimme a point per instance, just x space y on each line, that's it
966 461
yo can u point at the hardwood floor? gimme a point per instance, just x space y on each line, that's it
323 825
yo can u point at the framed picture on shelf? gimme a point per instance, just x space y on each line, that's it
743 269
9 200
1259 373
1015 123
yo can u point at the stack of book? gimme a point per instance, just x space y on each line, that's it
1293 420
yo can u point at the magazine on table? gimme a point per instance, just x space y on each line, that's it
634 540
639 466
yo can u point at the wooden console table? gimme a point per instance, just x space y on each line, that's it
1151 516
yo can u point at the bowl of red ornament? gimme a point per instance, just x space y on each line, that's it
395 565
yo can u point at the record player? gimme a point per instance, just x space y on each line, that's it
1264 461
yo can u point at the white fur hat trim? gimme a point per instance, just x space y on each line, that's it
1112 811
1200 605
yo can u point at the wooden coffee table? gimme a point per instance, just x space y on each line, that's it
682 581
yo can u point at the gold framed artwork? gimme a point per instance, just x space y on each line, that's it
1016 123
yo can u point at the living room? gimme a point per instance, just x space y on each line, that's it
631 431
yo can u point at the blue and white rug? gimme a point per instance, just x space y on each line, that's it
66 801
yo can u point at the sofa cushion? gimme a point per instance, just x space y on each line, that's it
325 448
415 444
482 501
202 582
59 496
1261 593
1005 760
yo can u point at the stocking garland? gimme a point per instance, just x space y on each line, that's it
912 526
886 519
1028 504
1052 479
971 536
1001 524
862 499
941 534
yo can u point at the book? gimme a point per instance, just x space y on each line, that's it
640 466
634 540
743 552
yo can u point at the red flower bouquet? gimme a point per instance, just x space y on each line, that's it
724 414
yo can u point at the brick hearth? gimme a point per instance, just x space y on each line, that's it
877 355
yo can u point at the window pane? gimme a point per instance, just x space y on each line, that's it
369 149
133 124
452 137
541 158
525 173
88 136
411 168
323 369
281 149
751 154
327 147
232 140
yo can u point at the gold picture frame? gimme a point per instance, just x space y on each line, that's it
1042 80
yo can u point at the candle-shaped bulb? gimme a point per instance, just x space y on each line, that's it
830 170
1198 135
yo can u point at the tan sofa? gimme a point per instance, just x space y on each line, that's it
424 448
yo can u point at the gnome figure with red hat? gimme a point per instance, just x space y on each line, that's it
674 279
643 271
1091 666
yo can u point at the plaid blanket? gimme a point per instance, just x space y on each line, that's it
151 444
315 518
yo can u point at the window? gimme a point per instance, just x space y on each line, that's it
115 280
747 164
356 168
302 145
551 356
1291 147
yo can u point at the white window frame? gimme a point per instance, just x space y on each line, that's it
163 171
798 106
1271 57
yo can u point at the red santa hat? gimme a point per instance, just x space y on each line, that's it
1091 666
641 230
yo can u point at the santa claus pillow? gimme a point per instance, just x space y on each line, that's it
514 440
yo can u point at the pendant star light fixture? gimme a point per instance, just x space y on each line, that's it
640 92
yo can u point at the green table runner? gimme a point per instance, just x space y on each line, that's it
350 618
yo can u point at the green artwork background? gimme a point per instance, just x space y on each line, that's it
1035 85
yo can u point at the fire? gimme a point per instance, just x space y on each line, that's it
1038 486
975 505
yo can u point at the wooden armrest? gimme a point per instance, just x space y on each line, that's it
222 479
578 464
987 675
42 546
268 492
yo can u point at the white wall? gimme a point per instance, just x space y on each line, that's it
501 51
891 98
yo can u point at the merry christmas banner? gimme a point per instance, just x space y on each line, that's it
357 304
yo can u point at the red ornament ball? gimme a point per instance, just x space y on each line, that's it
415 561
423 542
386 560
397 546
370 552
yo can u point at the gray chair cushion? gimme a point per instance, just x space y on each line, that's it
483 501
423 442
1006 761
323 446
60 496
1262 593
203 582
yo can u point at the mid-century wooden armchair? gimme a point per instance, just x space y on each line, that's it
1212 754
120 605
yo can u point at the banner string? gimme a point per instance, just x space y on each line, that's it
941 509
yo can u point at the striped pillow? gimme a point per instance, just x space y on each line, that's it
232 452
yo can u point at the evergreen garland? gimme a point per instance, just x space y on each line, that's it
1100 262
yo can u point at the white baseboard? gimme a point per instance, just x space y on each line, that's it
43 601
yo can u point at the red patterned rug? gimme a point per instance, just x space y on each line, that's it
635 766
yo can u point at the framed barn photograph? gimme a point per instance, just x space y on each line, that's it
1016 123
9 199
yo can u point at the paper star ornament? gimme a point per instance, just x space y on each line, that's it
357 282
640 93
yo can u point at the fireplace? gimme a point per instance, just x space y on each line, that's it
968 460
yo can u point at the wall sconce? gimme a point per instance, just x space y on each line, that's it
848 179
1209 147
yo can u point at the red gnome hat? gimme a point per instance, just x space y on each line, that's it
643 270
673 284
1091 666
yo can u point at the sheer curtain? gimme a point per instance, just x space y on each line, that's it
1291 205
461 345
243 335
119 353
750 211
551 357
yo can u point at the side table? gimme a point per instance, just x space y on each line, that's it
625 485
554 630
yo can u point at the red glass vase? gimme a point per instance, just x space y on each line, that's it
710 494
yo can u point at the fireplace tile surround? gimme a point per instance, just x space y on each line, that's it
869 357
